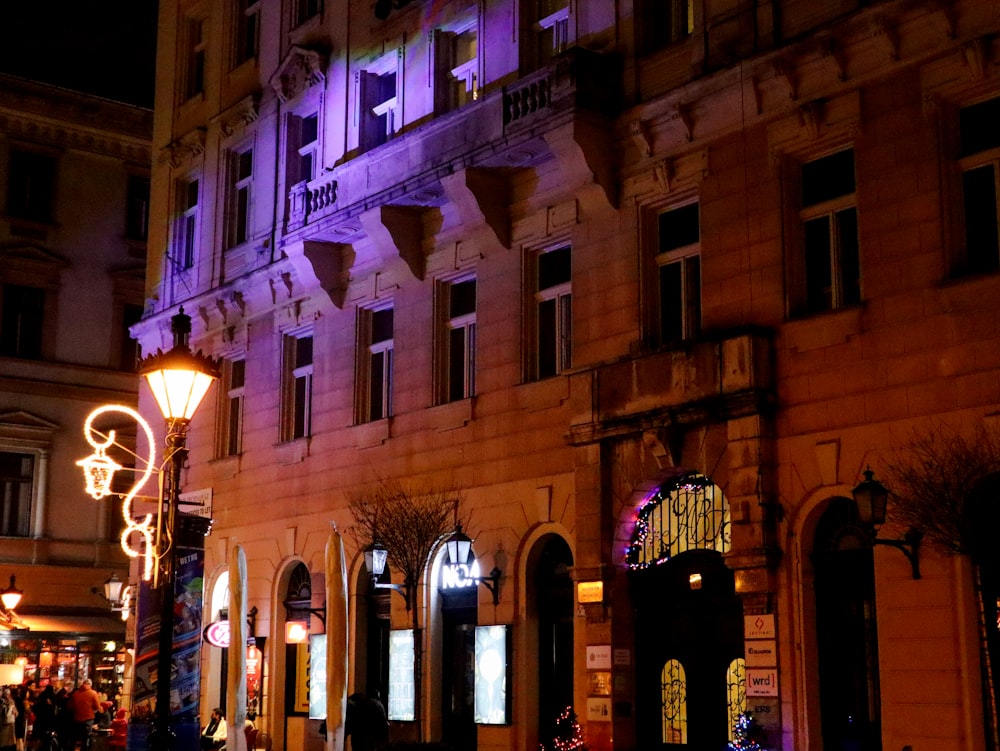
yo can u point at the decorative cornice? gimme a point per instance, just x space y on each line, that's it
302 67
185 148
64 136
241 114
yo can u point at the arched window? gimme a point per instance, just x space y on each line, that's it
687 513
673 702
736 692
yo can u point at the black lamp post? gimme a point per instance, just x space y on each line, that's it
459 545
872 499
179 380
11 596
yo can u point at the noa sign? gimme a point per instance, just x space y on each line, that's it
459 575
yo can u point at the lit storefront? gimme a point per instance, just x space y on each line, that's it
60 658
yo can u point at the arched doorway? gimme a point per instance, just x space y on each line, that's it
297 605
552 600
846 634
459 618
688 617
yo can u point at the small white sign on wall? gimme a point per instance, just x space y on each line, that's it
762 682
759 627
599 710
761 653
599 657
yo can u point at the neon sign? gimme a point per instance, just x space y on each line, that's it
460 575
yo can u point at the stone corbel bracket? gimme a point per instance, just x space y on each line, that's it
976 53
887 34
639 130
784 72
811 117
185 148
397 230
835 54
481 197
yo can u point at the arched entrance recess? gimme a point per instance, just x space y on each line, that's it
550 598
688 617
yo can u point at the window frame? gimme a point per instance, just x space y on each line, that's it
196 50
137 197
232 406
987 259
246 31
379 116
32 489
239 214
450 325
296 407
33 314
841 292
559 341
688 258
26 165
369 353
188 229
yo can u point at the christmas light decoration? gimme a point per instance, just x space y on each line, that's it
745 734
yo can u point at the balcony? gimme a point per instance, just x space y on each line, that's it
708 381
505 128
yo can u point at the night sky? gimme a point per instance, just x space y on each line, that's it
103 47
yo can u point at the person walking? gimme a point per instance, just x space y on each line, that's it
83 705
44 708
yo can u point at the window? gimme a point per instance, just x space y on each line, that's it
241 176
553 312
297 371
306 9
22 314
231 413
376 366
664 22
980 166
457 64
831 264
30 185
552 28
305 140
736 693
673 703
247 30
196 30
137 208
459 305
16 477
678 274
187 229
379 100
130 352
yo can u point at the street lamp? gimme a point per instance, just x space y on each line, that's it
179 380
458 546
11 596
872 499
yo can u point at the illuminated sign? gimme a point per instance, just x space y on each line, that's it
296 632
492 706
590 591
217 634
459 575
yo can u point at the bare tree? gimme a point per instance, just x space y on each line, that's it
947 486
409 522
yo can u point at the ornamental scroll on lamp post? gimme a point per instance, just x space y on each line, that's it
179 380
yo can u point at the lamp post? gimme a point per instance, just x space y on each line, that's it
872 499
179 380
11 596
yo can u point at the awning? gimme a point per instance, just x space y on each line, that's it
75 624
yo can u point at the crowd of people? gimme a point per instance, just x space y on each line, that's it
51 719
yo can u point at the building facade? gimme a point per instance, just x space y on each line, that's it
644 288
74 187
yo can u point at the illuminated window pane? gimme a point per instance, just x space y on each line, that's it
736 692
673 703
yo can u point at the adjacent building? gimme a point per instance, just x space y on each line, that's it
644 288
74 192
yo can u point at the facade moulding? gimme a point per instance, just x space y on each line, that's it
775 84
182 150
95 142
239 115
301 68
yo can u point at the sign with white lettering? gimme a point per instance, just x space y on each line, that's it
759 627
459 575
762 653
762 682
197 502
